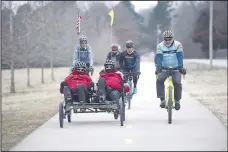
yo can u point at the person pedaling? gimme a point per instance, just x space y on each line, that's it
169 53
78 85
83 52
130 61
110 83
114 55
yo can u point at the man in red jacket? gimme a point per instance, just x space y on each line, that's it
110 83
77 85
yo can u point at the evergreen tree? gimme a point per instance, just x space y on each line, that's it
161 14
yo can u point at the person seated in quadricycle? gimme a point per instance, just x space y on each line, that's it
110 83
79 85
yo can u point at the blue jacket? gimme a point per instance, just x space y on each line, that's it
130 61
84 55
169 56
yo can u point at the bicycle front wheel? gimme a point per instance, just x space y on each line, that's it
130 95
170 104
129 104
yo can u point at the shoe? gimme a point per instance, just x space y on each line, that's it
177 105
67 94
134 90
102 98
162 104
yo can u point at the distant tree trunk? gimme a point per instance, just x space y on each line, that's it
12 83
28 75
42 74
51 64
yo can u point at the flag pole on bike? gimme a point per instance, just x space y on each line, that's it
111 14
78 23
78 30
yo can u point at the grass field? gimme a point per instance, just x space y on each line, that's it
209 87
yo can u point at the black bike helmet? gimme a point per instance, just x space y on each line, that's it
129 44
109 66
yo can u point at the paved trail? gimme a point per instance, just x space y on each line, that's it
146 127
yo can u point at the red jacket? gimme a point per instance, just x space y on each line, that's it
114 80
75 79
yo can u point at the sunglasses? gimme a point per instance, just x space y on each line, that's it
129 47
168 39
81 69
109 66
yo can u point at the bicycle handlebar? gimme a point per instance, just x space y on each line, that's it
131 73
170 69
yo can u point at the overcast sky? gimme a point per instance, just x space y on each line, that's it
143 4
139 5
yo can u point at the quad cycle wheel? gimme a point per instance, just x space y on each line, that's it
122 111
61 115
69 115
116 115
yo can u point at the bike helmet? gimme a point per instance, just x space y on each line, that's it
114 47
80 66
168 38
83 38
129 44
109 66
168 34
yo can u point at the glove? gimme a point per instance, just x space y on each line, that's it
131 66
182 70
158 70
91 69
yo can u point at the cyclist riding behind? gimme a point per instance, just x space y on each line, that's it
169 54
114 55
130 60
83 52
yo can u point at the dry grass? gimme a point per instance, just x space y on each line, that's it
209 87
29 108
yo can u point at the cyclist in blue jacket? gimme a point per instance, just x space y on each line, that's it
83 53
169 53
130 60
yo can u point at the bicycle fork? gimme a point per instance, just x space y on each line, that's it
169 89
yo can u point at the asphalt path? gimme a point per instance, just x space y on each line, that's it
146 127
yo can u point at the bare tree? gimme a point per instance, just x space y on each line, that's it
8 44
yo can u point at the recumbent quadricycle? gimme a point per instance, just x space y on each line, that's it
92 105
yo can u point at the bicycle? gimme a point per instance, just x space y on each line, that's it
129 76
89 69
169 93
